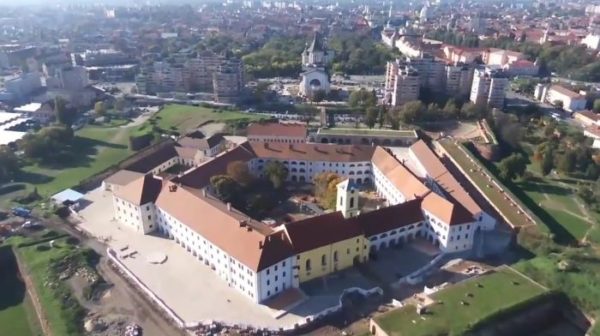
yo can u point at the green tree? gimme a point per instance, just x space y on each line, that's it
371 118
592 171
596 107
362 99
412 112
512 166
586 194
99 108
64 114
566 162
276 172
318 96
450 110
558 104
238 170
49 144
225 187
120 104
9 164
473 111
547 163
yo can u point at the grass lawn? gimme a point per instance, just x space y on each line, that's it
63 312
497 294
17 315
97 149
496 196
559 202
183 118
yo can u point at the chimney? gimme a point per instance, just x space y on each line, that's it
249 229
242 223
228 206
204 192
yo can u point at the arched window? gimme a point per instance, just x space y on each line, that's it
351 202
323 260
335 256
308 265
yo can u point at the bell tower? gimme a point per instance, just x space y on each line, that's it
347 199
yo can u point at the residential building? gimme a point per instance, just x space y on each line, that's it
23 86
587 118
459 77
105 57
489 87
228 80
556 94
43 113
591 41
221 75
431 71
402 83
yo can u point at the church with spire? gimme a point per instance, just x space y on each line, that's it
315 59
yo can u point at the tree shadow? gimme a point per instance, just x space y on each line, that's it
544 188
561 235
80 154
33 178
12 288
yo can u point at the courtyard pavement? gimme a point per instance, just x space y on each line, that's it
191 289
391 264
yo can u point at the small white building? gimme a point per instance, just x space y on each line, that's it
571 101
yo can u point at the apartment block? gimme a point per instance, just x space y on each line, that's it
489 87
402 83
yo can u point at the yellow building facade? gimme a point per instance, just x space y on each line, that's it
331 258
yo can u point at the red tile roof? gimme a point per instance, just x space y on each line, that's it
318 231
439 173
141 191
295 130
449 212
313 152
252 243
402 179
199 177
389 218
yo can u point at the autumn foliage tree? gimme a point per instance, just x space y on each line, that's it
238 170
326 189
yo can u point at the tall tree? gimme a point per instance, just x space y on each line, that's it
412 112
512 166
225 187
566 162
9 164
547 163
276 173
100 108
64 114
362 99
371 118
238 170
596 107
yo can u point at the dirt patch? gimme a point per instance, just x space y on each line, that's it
212 128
